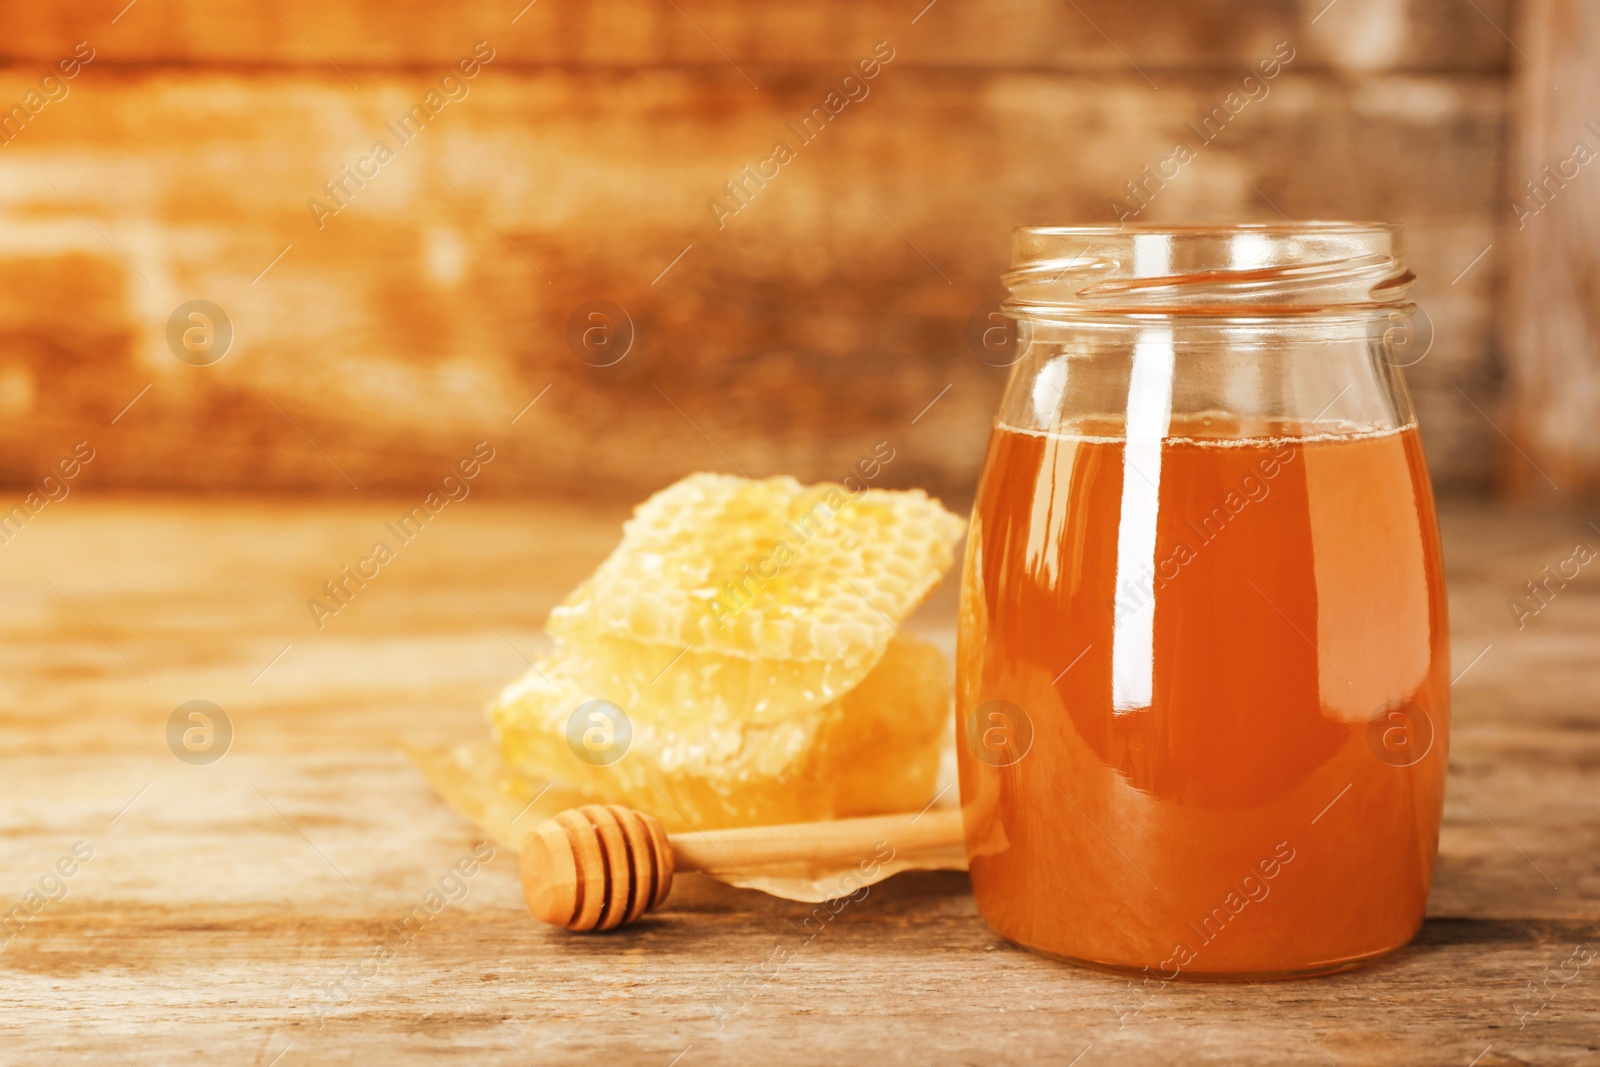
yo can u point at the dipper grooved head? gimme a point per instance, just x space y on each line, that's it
596 867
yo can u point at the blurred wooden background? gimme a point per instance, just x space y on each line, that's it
825 316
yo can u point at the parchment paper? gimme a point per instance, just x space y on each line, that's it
506 805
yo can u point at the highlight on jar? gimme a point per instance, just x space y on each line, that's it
1197 720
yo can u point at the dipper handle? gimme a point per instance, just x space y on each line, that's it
601 866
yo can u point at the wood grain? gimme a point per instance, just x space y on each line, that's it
1092 35
1553 229
225 904
827 315
823 318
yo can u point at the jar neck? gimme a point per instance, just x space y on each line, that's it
1331 272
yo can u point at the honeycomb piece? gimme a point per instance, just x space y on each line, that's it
686 686
873 750
768 570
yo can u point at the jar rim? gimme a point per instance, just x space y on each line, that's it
1217 228
1255 269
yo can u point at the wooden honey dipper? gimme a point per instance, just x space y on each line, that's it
599 867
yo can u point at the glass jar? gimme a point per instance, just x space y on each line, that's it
1203 684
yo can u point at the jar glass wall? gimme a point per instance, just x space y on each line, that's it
1203 692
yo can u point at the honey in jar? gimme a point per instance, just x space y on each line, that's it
1203 675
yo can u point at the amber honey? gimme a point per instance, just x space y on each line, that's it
1204 714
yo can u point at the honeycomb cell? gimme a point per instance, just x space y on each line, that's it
769 569
873 750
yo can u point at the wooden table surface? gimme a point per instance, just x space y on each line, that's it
243 911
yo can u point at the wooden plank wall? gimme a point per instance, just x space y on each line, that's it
1553 307
579 163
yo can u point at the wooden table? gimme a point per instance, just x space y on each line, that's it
225 903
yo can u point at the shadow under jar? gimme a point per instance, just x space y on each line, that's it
1203 693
